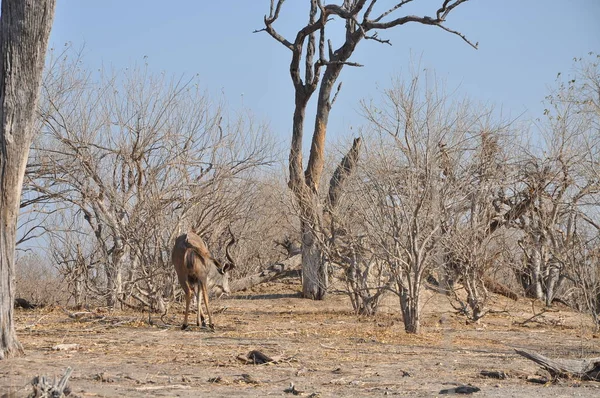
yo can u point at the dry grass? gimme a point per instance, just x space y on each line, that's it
323 349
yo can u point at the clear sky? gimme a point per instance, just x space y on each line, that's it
522 46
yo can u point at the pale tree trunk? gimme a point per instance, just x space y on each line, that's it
475 298
552 281
78 294
408 282
114 277
24 31
314 270
536 273
80 275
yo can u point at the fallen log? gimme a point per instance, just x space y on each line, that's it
286 267
582 369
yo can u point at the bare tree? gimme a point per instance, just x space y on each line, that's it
137 159
421 138
323 63
564 180
561 227
24 30
473 239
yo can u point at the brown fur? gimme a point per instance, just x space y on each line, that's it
195 266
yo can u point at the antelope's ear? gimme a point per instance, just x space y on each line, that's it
228 267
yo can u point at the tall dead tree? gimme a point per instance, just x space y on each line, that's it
24 30
322 67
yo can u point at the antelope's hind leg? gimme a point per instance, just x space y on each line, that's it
200 313
205 295
188 297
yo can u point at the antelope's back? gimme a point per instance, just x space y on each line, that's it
183 243
193 241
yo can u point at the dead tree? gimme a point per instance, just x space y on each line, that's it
322 67
583 369
24 30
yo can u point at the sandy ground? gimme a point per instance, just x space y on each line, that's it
322 348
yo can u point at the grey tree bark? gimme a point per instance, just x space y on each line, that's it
24 30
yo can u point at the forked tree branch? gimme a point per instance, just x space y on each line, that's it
443 12
304 45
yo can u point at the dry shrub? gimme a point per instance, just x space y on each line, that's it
38 282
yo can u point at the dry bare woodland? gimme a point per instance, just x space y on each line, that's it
415 260
450 225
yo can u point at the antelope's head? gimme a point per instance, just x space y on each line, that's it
219 283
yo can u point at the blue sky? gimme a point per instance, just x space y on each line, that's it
522 46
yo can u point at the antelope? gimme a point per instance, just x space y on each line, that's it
195 266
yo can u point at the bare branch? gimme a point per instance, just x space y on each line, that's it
343 63
339 87
377 39
369 9
274 16
368 25
443 12
310 47
461 35
391 10
273 33
441 15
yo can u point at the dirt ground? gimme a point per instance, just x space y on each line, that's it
322 348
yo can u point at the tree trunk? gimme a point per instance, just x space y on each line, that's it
409 303
24 31
475 299
113 284
314 269
78 293
114 275
552 281
531 276
306 187
536 274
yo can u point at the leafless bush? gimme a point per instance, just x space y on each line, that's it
127 161
38 282
563 179
480 211
408 192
